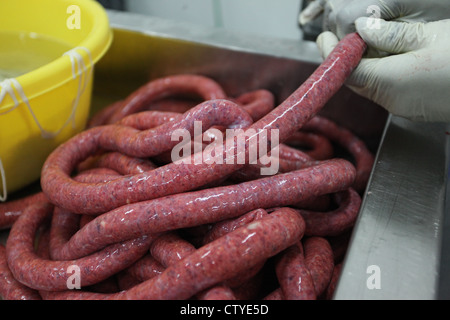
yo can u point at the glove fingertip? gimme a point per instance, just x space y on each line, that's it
311 12
326 41
367 26
364 75
390 36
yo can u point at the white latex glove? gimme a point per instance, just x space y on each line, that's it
339 15
413 82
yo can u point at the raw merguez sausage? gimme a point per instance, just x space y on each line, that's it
206 206
201 269
10 287
121 214
288 117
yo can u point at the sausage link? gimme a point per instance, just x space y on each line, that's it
319 261
211 264
320 203
363 157
123 164
276 294
253 171
146 268
11 210
125 280
184 84
53 275
334 281
84 197
314 145
167 106
64 225
221 228
289 159
221 292
207 206
10 288
288 118
43 250
169 248
140 121
146 143
288 153
257 103
149 119
173 104
334 222
321 85
136 207
97 175
295 280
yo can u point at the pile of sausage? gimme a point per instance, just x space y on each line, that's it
117 219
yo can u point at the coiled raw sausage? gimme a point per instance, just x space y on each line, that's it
116 214
207 206
288 117
204 267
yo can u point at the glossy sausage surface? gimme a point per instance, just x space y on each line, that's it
114 212
288 117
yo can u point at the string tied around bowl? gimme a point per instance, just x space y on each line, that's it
79 69
3 196
12 86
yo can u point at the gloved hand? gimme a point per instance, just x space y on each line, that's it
339 15
412 82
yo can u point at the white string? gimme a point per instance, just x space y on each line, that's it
8 83
3 176
78 69
7 87
77 62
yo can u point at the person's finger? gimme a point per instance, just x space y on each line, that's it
326 41
390 36
344 18
311 12
332 10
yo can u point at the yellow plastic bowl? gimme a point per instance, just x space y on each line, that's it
53 101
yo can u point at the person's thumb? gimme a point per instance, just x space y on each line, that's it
326 41
390 36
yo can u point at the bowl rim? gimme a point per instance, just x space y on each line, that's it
59 71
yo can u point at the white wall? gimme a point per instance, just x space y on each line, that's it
277 18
